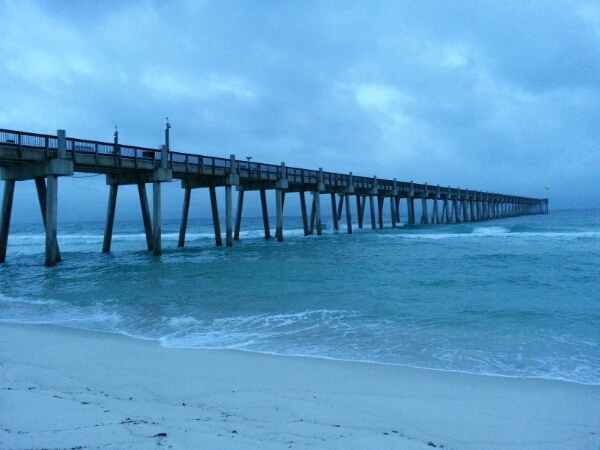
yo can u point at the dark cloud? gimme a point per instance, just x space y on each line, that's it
487 95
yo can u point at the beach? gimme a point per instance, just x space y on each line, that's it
67 388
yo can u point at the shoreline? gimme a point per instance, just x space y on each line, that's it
158 342
64 388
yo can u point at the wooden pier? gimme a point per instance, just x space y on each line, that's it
45 158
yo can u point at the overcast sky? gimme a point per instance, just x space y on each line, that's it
497 96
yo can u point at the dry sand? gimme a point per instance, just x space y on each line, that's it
64 389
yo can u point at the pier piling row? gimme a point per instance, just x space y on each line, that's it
46 158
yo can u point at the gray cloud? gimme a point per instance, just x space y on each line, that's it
486 95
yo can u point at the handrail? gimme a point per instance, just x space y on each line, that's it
49 144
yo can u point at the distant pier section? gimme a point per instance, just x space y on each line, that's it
45 158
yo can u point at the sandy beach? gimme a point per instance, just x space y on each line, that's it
63 388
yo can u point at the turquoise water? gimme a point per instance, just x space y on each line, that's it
513 297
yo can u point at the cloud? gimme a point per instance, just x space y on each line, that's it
490 96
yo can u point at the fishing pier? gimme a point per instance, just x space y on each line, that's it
46 158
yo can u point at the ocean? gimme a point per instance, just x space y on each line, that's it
516 297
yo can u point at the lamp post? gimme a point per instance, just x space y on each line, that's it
249 158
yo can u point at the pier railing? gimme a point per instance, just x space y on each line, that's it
194 163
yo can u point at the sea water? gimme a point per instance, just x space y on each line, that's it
516 297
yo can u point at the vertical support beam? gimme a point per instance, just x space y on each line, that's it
334 213
279 214
317 207
51 219
393 211
380 200
228 217
40 185
348 213
146 215
311 225
424 217
397 201
456 204
304 215
7 202
184 216
157 219
410 200
215 215
340 206
265 213
372 209
359 209
110 217
362 206
238 215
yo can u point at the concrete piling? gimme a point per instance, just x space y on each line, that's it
184 216
238 215
110 217
265 213
7 202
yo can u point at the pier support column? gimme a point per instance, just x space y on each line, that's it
456 207
184 216
349 191
280 187
380 200
316 205
394 205
215 215
317 212
110 217
340 208
360 210
232 180
40 185
279 214
157 218
238 215
424 217
304 214
410 201
265 213
334 213
159 176
410 205
393 211
372 211
51 219
348 214
146 215
7 202
228 217
313 212
465 210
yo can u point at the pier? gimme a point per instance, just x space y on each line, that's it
45 158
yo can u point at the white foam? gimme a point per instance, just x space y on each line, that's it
7 299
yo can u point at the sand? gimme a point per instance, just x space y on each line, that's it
63 389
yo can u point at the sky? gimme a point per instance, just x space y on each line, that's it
498 96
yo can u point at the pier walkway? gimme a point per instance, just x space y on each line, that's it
45 158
